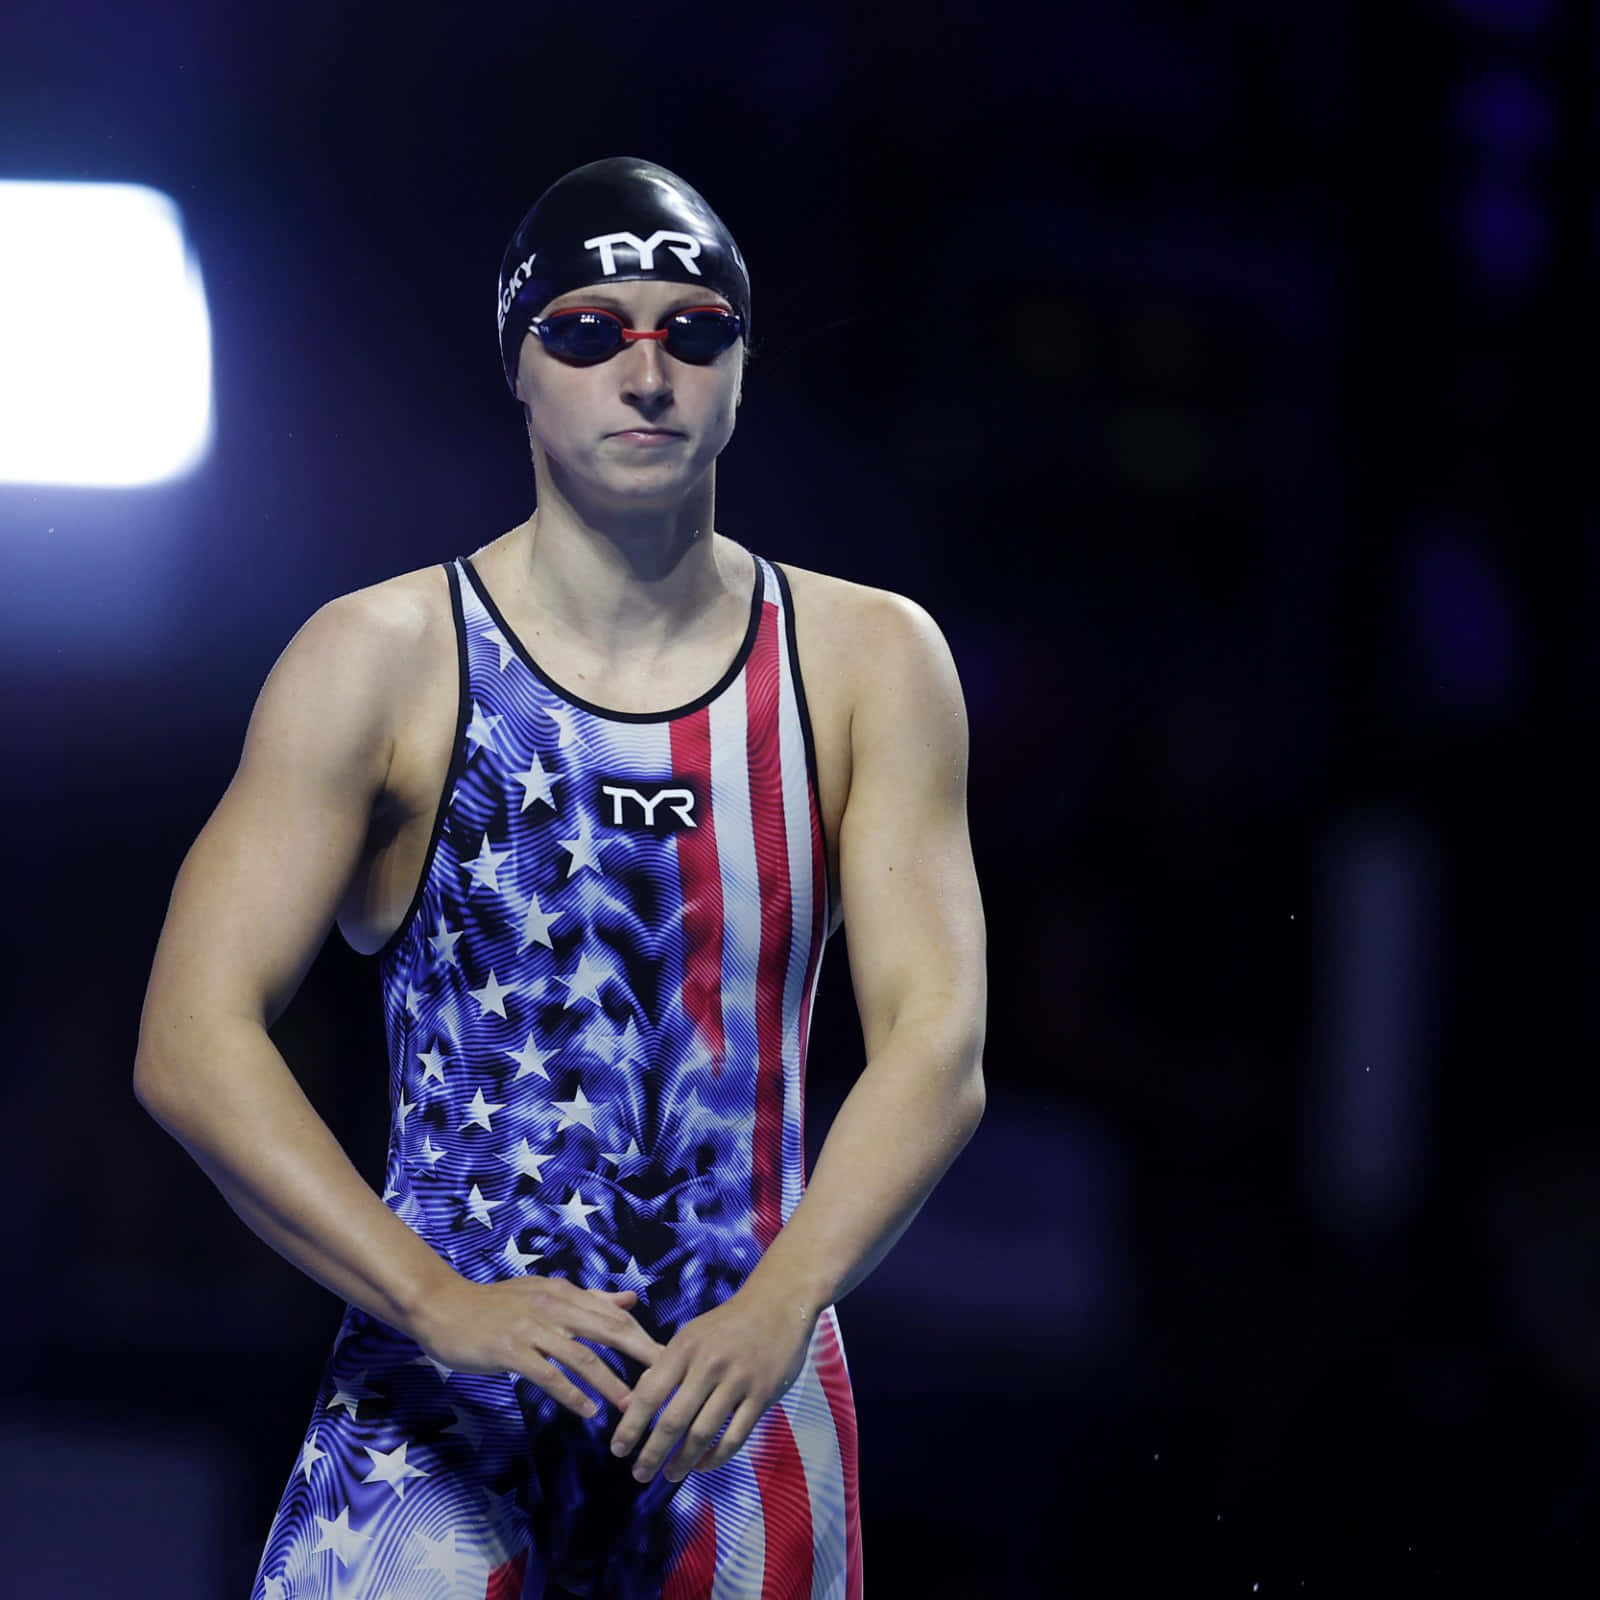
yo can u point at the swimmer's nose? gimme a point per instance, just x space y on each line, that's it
646 382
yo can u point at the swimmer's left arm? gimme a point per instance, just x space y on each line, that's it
916 942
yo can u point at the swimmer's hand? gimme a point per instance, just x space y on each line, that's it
732 1362
526 1325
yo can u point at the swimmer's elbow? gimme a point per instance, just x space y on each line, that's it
157 1080
175 1063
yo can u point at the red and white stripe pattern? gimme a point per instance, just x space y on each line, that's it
755 900
779 1521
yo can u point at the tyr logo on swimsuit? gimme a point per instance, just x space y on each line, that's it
658 808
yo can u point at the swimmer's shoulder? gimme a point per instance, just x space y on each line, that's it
406 618
406 606
388 652
853 631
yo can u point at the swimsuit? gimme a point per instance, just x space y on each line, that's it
597 1008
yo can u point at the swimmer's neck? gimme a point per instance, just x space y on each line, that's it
622 577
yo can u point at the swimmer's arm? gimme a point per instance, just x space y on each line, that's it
916 942
253 902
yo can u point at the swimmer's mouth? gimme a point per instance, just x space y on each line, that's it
645 433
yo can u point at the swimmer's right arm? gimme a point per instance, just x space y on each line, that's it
252 904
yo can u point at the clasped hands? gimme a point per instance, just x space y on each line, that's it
726 1366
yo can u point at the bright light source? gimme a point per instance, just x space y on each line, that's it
105 342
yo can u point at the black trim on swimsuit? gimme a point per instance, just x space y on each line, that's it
805 729
458 760
734 668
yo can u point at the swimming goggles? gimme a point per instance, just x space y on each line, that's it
584 336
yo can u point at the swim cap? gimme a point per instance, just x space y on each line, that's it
613 221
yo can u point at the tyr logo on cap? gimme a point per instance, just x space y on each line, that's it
683 245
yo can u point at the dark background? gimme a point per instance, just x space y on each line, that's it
1203 368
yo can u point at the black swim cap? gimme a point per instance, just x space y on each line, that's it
615 221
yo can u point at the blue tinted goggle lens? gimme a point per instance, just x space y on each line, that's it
585 336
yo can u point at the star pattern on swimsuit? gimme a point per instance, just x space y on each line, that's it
520 1260
574 1212
441 1555
492 996
524 1162
621 1158
339 1537
444 944
536 924
480 1207
481 730
583 982
584 848
392 1468
635 1278
480 1111
349 1392
579 1110
565 719
529 1059
535 784
485 866
499 641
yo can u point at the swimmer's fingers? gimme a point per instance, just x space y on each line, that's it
739 1429
700 1437
686 1409
579 1358
546 1375
614 1328
595 1315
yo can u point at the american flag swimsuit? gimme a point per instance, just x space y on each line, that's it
597 1009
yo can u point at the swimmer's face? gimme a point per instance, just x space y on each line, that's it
586 421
